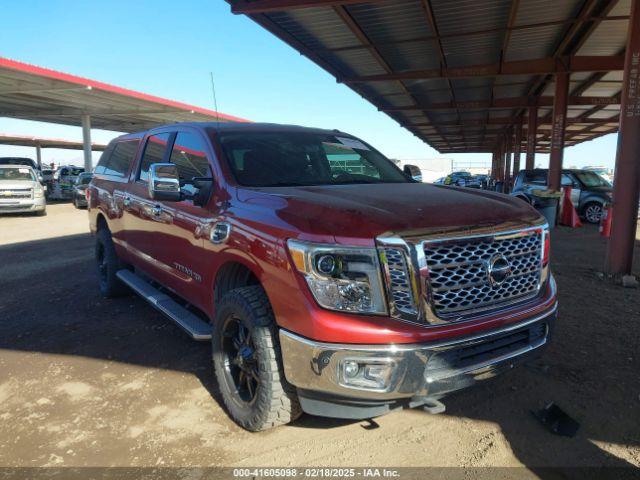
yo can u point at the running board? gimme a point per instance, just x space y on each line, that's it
197 328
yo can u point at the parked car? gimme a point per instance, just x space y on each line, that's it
20 190
80 188
27 162
589 191
483 180
462 179
341 289
63 182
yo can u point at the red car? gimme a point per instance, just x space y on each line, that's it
327 280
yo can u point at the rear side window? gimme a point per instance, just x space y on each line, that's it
189 156
539 178
116 160
153 153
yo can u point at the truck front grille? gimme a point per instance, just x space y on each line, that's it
20 193
459 277
399 283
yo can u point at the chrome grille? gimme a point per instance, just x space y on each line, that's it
399 284
458 277
19 193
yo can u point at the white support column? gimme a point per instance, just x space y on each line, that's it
39 156
86 142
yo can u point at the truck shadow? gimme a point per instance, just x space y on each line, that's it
49 303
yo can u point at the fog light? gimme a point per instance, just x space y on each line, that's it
367 374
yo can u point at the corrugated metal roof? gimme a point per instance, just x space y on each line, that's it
426 52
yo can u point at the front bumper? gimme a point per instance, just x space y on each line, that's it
23 205
420 371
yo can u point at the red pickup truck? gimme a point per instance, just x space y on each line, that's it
327 280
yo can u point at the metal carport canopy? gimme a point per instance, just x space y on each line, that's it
462 74
28 141
35 93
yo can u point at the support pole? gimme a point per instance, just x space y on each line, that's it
532 131
494 165
39 156
507 162
626 184
500 166
517 150
86 142
558 131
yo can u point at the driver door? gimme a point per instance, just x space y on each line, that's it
181 251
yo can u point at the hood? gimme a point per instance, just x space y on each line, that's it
16 185
366 211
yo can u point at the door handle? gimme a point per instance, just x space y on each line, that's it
127 201
156 210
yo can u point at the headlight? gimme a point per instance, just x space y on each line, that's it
38 193
341 278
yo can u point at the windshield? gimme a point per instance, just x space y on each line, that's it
84 179
591 179
17 174
270 159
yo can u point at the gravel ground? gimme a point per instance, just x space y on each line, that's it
91 382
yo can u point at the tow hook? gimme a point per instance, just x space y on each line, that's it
429 405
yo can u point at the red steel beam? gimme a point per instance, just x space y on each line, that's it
266 6
626 184
509 121
558 131
501 103
540 66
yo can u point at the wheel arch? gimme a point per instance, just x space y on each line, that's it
234 273
101 222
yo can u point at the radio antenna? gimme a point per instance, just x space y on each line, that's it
215 102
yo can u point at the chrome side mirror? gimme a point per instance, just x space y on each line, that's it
413 172
164 182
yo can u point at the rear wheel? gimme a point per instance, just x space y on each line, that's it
592 212
247 362
108 265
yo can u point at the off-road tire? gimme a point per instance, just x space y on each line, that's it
276 401
106 257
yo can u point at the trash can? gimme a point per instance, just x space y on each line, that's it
546 202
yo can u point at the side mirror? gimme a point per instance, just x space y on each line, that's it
164 182
413 172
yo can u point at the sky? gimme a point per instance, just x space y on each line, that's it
168 48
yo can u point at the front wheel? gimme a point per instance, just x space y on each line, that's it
592 212
247 362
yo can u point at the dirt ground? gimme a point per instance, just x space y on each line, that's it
91 382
